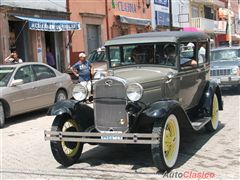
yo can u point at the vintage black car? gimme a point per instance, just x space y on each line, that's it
225 66
157 86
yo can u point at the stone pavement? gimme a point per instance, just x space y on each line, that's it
25 154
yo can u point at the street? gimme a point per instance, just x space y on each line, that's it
25 154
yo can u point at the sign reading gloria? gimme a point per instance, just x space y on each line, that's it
55 25
127 7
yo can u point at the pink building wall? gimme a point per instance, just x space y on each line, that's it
85 6
104 13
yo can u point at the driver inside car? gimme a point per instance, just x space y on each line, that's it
170 55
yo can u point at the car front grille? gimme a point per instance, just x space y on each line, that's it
220 72
109 105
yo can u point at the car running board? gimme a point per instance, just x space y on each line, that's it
197 125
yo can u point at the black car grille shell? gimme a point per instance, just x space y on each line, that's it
109 105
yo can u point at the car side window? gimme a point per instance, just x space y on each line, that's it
43 72
25 73
188 58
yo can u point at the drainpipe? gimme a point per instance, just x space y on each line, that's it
69 38
107 22
229 24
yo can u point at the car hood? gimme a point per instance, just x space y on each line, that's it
225 63
143 74
99 66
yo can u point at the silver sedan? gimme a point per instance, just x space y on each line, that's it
26 87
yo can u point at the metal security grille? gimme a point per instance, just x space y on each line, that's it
220 72
109 105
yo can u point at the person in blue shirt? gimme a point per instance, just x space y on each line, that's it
82 68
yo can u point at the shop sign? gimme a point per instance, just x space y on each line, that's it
127 7
161 2
55 27
162 18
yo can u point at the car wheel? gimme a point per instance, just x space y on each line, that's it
60 96
66 153
165 154
213 124
2 116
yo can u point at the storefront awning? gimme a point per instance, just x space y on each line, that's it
54 25
137 21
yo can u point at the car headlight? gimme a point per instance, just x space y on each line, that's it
134 92
235 70
80 92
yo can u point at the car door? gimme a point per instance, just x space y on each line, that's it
22 98
45 85
189 75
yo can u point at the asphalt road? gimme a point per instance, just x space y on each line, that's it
25 154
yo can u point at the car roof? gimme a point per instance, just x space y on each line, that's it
151 37
225 48
21 64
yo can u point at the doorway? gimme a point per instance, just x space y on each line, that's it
18 38
50 44
93 37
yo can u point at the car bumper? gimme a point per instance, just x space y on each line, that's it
227 81
103 137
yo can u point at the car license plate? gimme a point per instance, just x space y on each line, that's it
109 137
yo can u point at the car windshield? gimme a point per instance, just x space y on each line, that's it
141 54
5 75
97 56
227 54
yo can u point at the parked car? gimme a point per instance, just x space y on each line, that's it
30 86
225 66
147 98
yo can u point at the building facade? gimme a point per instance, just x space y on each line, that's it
29 28
104 19
232 9
207 16
197 15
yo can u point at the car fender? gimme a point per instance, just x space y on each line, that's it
62 107
161 109
207 97
78 111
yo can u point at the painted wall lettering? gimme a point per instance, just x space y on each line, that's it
127 7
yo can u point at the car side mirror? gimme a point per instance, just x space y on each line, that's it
17 82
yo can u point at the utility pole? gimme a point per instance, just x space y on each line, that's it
170 16
229 24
